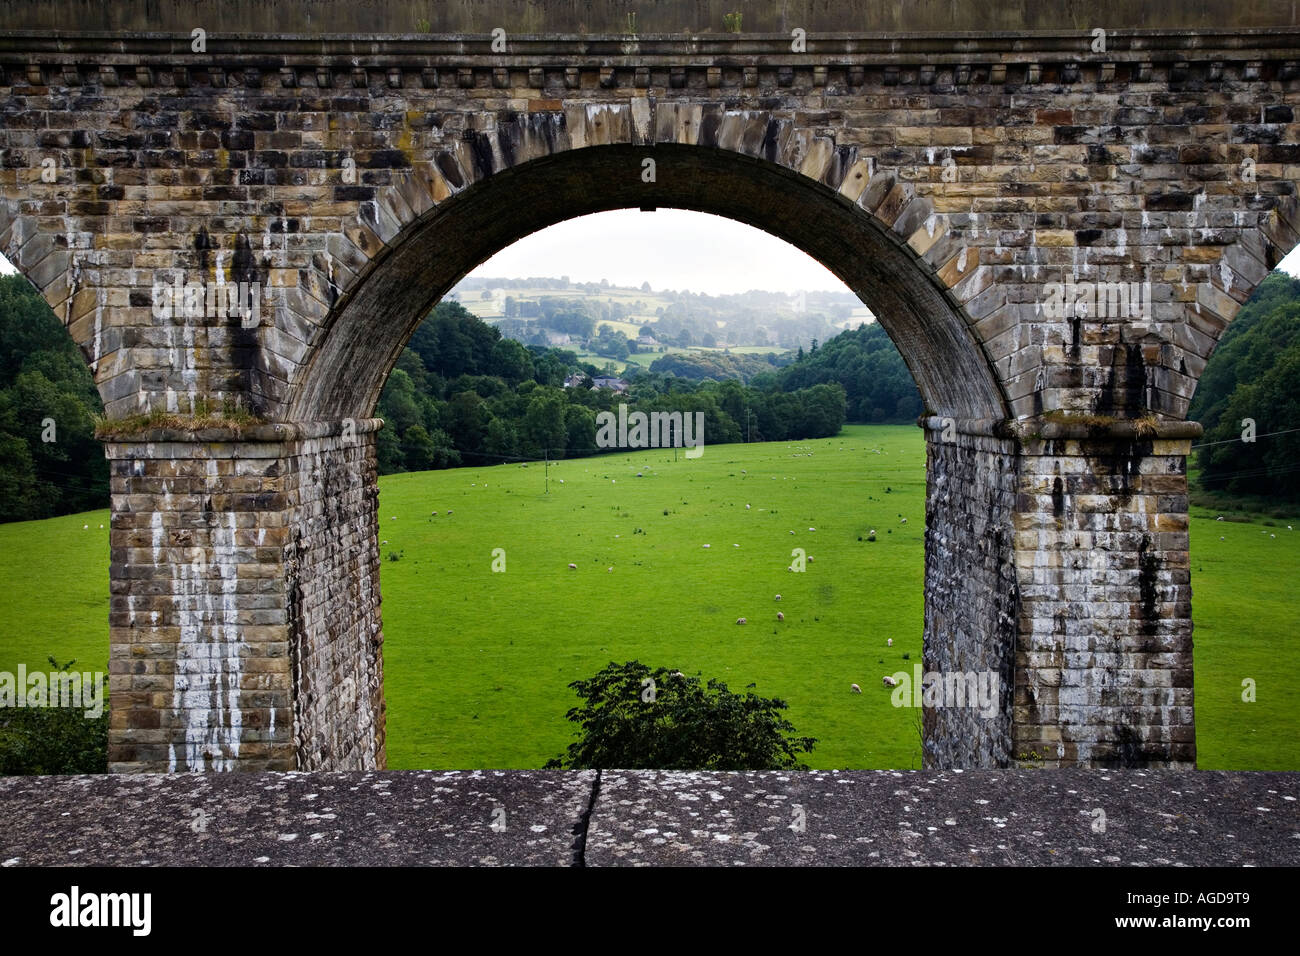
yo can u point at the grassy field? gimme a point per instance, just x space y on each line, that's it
477 663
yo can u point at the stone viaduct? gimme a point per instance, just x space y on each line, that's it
988 178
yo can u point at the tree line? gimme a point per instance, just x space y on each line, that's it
1248 399
50 460
461 394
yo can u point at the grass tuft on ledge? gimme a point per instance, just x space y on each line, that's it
202 414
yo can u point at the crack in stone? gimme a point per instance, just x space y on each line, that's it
584 823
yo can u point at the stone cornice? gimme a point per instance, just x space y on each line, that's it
1122 46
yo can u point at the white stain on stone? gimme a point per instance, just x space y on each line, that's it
206 691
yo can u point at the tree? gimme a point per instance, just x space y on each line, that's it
418 449
638 719
511 361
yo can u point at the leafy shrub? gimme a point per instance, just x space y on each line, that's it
638 719
48 740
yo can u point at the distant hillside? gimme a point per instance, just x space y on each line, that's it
549 311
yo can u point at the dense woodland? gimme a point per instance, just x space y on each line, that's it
1254 378
50 461
462 393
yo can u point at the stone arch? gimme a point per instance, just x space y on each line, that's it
868 228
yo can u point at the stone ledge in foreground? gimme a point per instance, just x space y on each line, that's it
391 818
954 818
866 817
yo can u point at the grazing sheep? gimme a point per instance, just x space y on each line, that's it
780 616
810 559
706 546
778 597
1220 518
746 507
904 521
573 567
889 682
855 688
85 527
449 512
678 674
741 620
889 642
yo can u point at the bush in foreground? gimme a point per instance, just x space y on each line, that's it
48 740
638 719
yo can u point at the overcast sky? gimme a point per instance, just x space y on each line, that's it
670 249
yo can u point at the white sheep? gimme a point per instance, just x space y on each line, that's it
778 597
855 688
741 620
889 642
904 521
780 616
889 682
573 567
